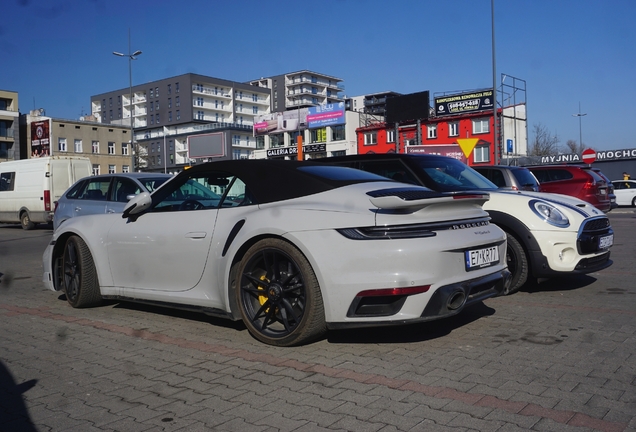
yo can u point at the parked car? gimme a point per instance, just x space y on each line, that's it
309 247
610 188
30 187
509 177
106 193
625 191
548 235
574 180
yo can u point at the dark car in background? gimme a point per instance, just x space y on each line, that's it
106 193
509 177
610 187
574 180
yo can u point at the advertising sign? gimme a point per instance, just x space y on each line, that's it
326 115
464 103
40 138
450 150
290 151
280 122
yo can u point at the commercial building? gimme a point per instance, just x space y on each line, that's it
9 126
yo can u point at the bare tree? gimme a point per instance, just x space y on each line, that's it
544 143
574 147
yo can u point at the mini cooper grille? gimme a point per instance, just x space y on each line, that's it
407 194
410 231
596 225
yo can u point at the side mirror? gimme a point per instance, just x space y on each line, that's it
137 205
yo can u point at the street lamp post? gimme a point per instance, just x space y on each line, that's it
131 57
579 115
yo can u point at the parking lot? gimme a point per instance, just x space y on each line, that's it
558 355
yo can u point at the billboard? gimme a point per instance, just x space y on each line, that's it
410 107
464 103
41 138
206 145
326 115
280 122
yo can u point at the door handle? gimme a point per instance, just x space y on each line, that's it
196 235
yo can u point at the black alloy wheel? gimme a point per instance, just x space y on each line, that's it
79 277
278 294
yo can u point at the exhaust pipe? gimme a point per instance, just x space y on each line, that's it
456 300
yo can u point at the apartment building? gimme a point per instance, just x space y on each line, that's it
181 106
9 126
301 89
107 146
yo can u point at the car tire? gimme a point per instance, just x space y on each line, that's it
634 202
517 264
26 222
79 276
278 295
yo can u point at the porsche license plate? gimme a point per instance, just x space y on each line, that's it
480 258
606 241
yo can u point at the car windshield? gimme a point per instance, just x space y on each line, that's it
450 175
152 183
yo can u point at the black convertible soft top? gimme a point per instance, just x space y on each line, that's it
271 180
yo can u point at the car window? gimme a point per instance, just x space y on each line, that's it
94 189
393 169
560 174
497 178
451 175
203 190
524 177
76 190
123 188
151 183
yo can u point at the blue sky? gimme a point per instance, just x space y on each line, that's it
57 53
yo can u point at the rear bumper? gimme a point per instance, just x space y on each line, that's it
447 300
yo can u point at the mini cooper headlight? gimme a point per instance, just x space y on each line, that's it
549 213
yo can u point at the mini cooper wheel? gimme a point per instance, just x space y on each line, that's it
79 277
278 295
26 222
517 264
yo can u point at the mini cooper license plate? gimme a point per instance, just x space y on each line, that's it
606 241
480 258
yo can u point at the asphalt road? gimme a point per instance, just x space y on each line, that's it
560 355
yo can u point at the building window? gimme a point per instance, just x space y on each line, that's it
370 138
236 139
431 131
260 142
390 135
169 88
276 140
152 93
125 168
453 129
157 92
95 169
95 146
236 154
111 169
152 107
318 135
157 106
157 118
124 149
78 146
169 116
199 101
481 154
61 144
111 148
480 126
200 115
338 133
178 115
254 97
169 102
152 119
254 110
158 159
176 101
176 87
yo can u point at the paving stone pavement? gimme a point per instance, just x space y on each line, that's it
557 356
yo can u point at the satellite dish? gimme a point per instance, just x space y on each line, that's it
42 111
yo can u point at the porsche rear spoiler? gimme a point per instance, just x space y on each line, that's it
417 198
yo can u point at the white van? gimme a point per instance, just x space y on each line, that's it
30 187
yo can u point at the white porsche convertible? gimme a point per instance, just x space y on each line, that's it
291 248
